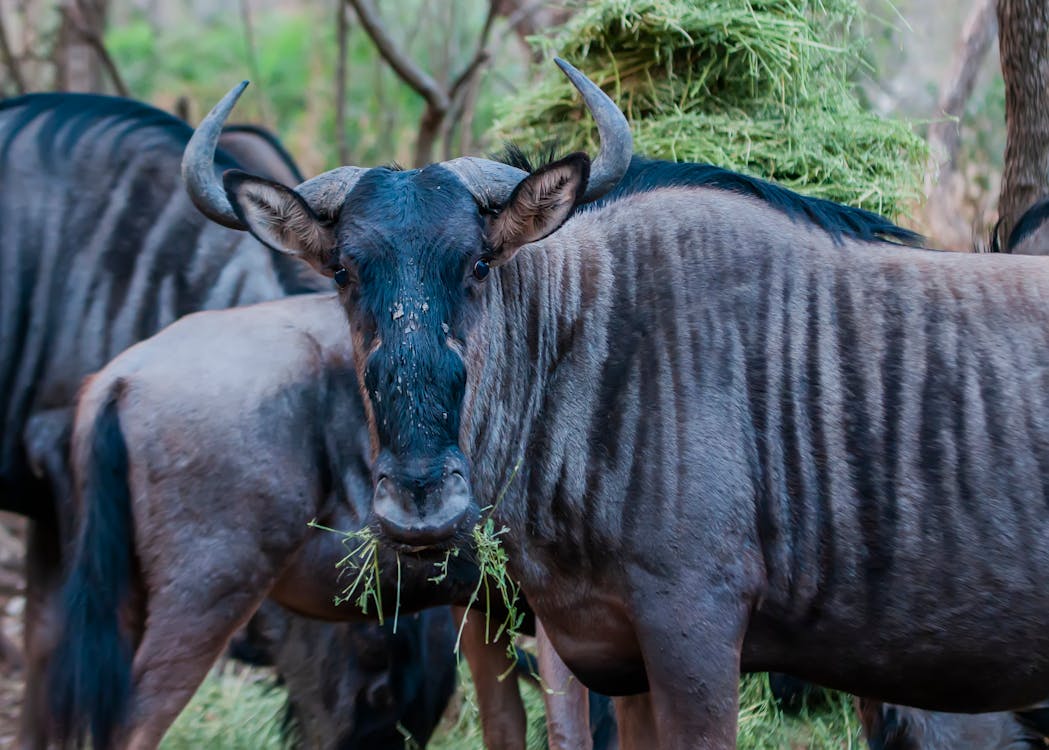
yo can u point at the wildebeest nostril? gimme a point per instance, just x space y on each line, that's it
436 520
455 494
382 490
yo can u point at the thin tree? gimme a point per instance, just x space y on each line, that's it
1023 39
444 103
944 137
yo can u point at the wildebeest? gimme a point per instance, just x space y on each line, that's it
199 457
357 686
252 144
746 443
505 702
889 727
100 248
92 680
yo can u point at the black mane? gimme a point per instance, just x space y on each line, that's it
646 174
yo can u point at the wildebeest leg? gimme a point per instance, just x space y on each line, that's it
43 580
691 651
189 621
567 709
503 719
637 724
46 438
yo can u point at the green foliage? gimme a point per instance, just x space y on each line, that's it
361 561
292 72
762 726
758 86
234 709
492 562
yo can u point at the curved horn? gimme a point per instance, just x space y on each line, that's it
198 164
326 192
617 144
492 182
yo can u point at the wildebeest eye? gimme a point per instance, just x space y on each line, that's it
481 269
342 277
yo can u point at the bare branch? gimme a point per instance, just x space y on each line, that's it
444 106
342 30
979 31
253 61
463 90
466 144
480 57
9 58
412 74
943 183
75 15
521 18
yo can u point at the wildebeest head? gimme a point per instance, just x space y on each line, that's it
889 727
411 251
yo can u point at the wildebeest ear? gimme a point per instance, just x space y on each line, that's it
279 217
539 205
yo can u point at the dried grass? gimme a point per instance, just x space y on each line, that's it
758 86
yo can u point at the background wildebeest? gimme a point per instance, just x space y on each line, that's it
199 456
890 727
355 686
100 248
790 460
1030 235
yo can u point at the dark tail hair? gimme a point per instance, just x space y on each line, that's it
90 674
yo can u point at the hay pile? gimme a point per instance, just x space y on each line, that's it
757 86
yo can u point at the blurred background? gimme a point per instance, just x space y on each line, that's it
182 56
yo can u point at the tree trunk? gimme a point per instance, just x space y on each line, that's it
1023 38
531 18
78 65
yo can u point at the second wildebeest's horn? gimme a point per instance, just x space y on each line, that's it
198 164
492 182
324 193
